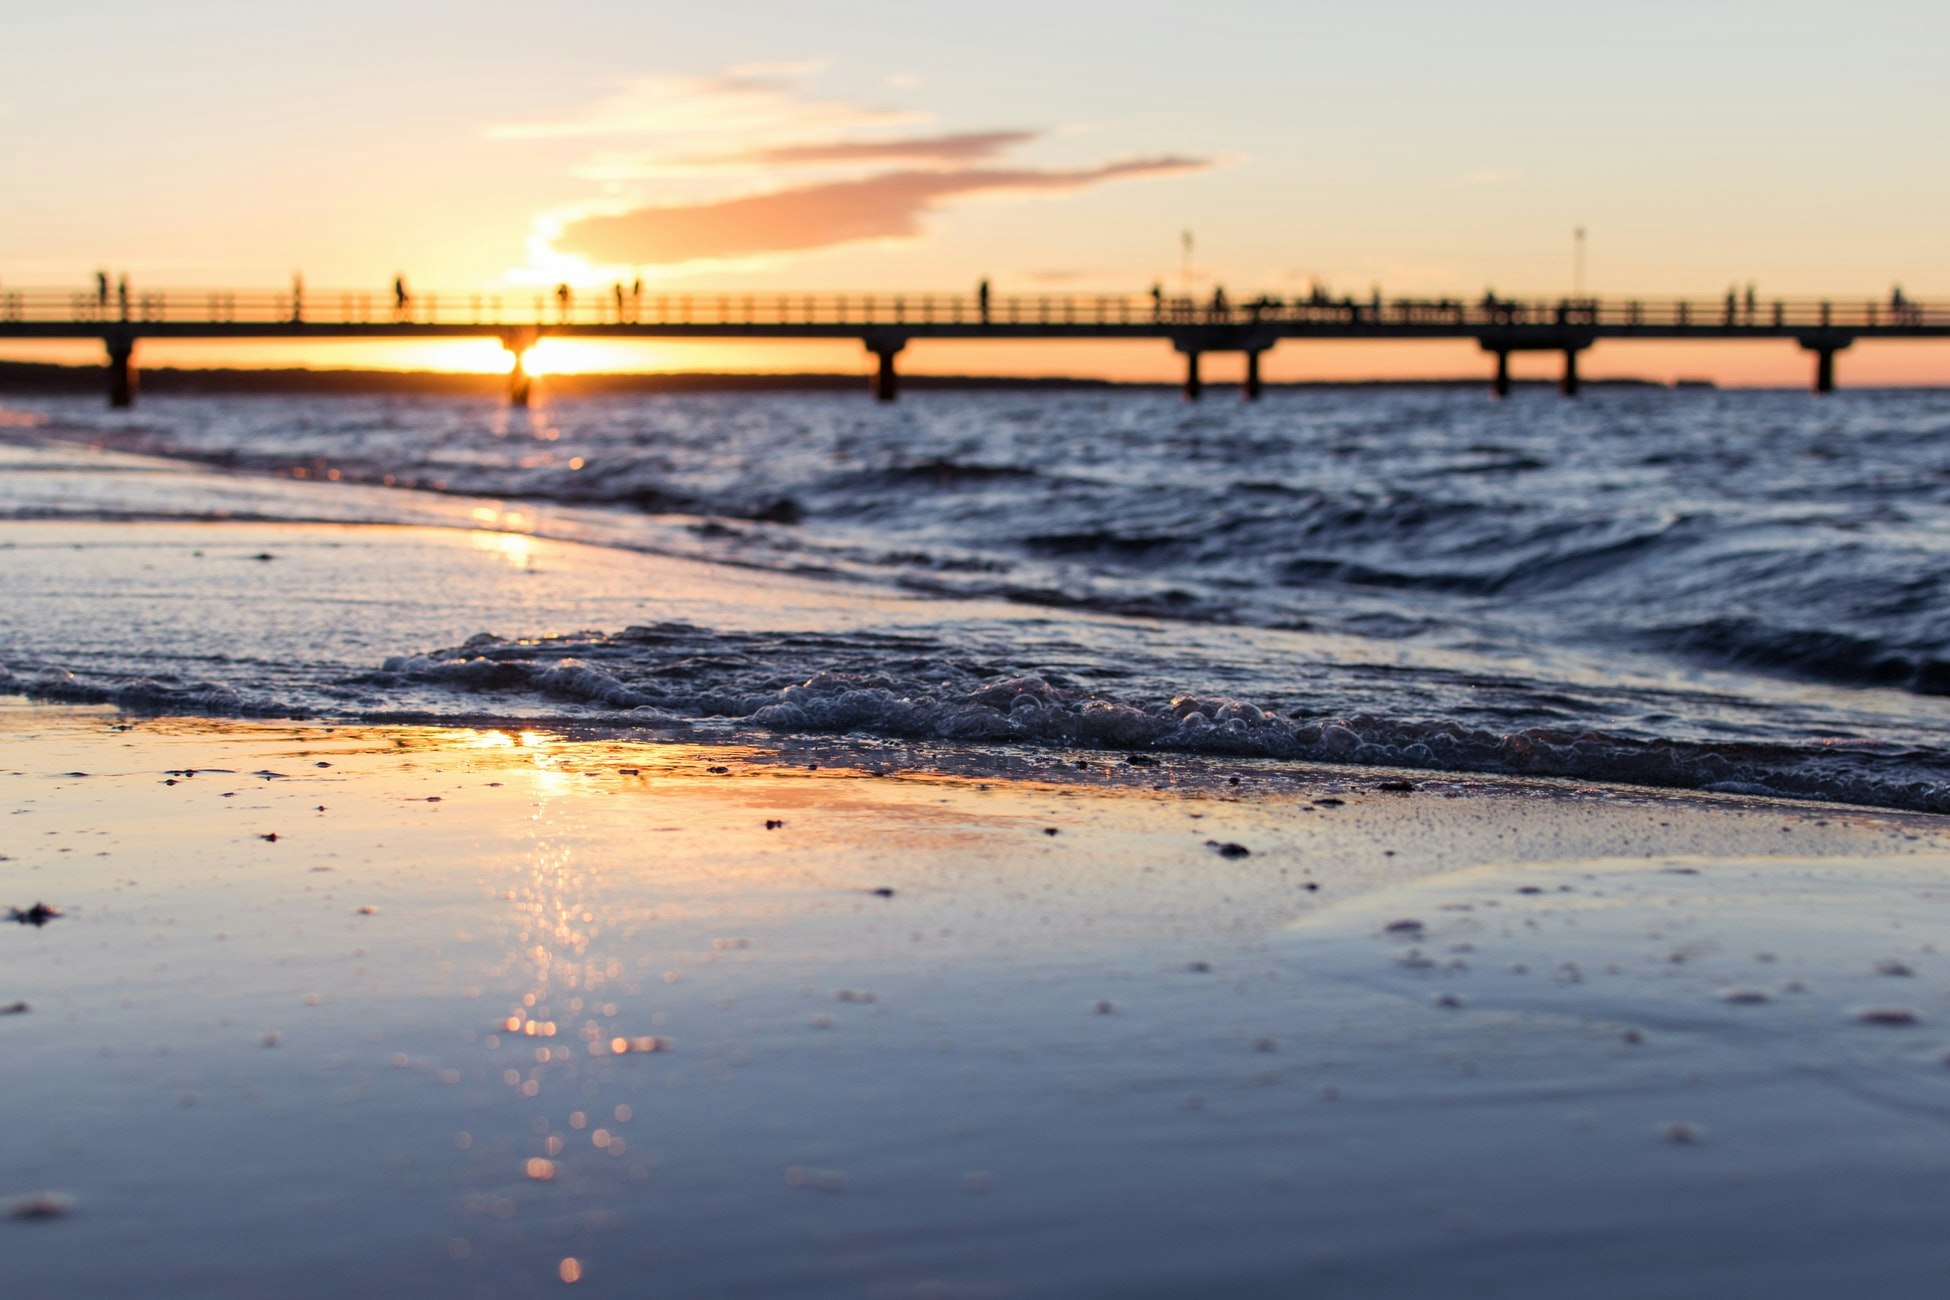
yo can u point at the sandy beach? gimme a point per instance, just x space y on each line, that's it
395 1010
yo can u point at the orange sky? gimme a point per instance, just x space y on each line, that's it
1422 147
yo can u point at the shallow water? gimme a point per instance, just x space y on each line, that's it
1740 591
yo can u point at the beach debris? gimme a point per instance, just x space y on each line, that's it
773 824
1894 967
1199 967
1896 1017
1396 787
17 1009
1682 1133
1229 849
629 771
367 910
817 1180
269 837
1311 886
1104 1007
1407 925
1745 997
1452 1001
1632 1036
38 915
719 770
1330 801
882 892
38 1205
321 763
1050 830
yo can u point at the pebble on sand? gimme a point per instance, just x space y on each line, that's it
37 915
1682 1133
1896 1016
38 1205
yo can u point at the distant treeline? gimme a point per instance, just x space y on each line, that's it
47 377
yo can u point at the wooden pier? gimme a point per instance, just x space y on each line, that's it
886 323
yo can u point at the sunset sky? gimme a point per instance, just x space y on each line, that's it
1428 148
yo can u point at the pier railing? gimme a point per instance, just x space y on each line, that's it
1132 311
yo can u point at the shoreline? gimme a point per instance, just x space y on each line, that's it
380 1050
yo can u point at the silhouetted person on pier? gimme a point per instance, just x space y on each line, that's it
401 298
101 290
1733 304
297 297
1157 301
1219 301
1751 299
982 299
122 294
562 296
619 300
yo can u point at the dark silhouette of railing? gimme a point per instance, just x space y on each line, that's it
493 311
886 322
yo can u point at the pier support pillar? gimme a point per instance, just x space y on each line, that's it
1569 384
1194 388
121 371
1825 344
1501 384
1250 391
886 382
521 384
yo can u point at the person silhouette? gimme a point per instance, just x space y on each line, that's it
562 296
1157 301
401 298
101 289
297 297
982 299
122 294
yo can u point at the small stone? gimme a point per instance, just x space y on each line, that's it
1231 850
1682 1133
39 1205
1744 997
1891 966
1890 1016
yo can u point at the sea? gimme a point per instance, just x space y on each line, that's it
1736 591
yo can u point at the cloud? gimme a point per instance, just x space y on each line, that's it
803 218
756 100
962 148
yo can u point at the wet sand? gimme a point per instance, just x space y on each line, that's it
421 1011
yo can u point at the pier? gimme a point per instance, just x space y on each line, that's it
884 324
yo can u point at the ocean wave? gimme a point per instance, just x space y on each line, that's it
912 690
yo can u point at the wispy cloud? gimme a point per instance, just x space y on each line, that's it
802 218
961 148
755 101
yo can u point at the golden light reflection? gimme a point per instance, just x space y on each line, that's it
517 548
